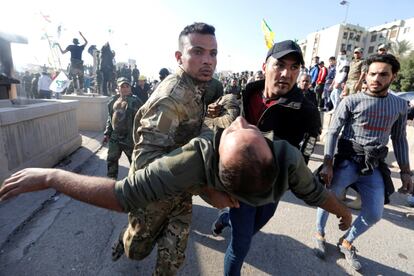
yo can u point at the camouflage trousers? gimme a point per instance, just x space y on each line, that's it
115 149
165 223
350 87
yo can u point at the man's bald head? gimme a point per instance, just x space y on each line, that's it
246 161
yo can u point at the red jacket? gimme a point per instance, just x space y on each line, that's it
323 72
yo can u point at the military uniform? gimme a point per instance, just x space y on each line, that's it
119 126
214 90
357 67
195 165
171 117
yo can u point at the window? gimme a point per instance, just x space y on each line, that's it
348 47
343 46
370 49
351 35
358 37
393 34
373 38
345 36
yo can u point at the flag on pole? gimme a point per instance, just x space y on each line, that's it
344 2
269 35
60 83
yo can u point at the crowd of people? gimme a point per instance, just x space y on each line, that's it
240 142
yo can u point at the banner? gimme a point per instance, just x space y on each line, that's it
60 83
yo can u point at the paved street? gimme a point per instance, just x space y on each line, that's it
67 237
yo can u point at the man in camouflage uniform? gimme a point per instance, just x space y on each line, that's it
169 119
356 75
121 112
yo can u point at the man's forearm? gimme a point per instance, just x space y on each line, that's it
97 191
334 206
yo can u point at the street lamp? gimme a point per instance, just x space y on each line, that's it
345 3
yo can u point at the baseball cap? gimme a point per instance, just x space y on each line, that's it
75 41
122 80
284 48
382 46
142 77
359 50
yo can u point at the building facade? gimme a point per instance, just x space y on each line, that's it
330 41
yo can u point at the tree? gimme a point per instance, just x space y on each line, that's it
405 78
400 48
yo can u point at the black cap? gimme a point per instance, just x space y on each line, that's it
75 41
164 72
284 48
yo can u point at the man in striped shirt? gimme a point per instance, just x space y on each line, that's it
367 119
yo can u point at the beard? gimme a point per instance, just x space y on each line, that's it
379 90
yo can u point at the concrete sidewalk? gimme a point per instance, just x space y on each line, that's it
16 212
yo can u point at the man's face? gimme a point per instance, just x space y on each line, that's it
281 74
124 89
332 62
382 51
304 82
357 55
198 56
379 78
315 60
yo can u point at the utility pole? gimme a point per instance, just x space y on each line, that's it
345 3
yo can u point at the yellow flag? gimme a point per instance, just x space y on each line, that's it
269 35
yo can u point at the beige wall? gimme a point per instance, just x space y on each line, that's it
37 135
92 111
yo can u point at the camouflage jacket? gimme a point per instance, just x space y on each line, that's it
171 117
121 113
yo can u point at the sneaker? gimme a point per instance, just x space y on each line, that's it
320 247
220 223
350 255
118 248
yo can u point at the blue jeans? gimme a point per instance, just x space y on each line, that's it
371 189
336 97
245 222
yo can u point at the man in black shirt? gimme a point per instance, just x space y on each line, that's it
76 62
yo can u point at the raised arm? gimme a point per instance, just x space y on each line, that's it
60 48
86 42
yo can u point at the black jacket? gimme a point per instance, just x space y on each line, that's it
293 118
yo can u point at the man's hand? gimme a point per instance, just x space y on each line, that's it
24 181
407 184
326 174
220 199
213 110
345 221
105 139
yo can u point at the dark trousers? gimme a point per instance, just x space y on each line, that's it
319 94
115 149
245 222
45 94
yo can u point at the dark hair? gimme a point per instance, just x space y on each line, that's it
332 58
251 176
195 28
387 58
